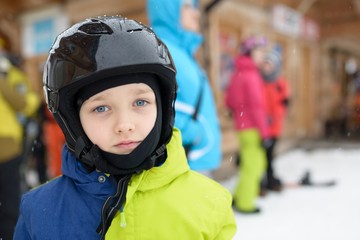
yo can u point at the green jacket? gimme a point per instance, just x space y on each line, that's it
174 202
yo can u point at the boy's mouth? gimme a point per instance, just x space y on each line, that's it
128 144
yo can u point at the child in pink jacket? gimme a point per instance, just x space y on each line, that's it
245 98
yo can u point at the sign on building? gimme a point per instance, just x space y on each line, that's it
39 29
290 22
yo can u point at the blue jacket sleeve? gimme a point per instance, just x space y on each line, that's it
21 232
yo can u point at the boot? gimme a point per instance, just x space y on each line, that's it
275 185
253 211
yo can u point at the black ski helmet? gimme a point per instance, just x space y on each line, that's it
97 49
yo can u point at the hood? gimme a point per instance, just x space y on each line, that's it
165 19
273 57
89 182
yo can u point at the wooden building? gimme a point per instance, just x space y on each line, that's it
318 37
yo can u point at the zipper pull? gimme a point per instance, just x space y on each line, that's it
122 219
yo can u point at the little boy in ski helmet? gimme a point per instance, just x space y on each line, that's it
110 84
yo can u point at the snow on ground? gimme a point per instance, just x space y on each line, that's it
306 213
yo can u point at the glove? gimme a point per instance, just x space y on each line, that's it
267 143
4 65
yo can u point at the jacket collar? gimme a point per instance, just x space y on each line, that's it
95 183
175 165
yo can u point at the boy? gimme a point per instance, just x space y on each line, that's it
110 84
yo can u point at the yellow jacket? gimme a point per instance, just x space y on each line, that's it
15 98
174 202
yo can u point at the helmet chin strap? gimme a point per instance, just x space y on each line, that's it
94 159
103 161
83 154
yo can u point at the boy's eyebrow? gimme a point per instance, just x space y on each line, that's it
142 90
97 97
101 96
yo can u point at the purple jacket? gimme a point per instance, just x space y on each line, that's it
245 96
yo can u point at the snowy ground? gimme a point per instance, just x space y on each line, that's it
306 213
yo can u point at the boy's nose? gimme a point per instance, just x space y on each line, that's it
124 127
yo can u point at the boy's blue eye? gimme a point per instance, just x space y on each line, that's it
140 103
101 109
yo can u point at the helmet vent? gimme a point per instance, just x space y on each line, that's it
96 28
162 51
134 30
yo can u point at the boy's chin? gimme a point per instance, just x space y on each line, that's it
121 151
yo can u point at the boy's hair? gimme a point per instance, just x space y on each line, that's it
95 50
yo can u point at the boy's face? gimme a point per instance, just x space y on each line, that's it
118 119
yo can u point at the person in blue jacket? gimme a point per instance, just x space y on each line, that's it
110 84
176 22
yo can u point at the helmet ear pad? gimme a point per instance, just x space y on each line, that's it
68 117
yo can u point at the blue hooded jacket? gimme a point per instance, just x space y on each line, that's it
203 133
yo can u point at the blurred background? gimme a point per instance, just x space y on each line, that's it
321 52
319 39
